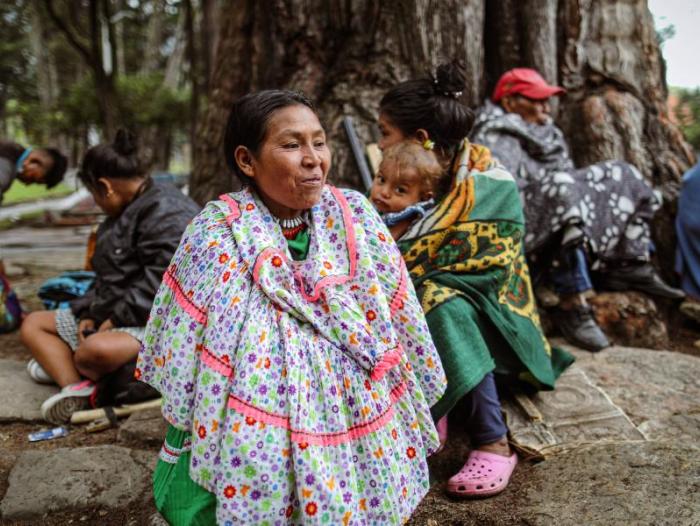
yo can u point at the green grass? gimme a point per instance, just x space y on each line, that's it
21 193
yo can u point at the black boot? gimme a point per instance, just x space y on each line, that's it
643 278
580 328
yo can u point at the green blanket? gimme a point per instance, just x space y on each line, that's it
467 263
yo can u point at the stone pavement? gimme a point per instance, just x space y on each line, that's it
624 425
49 481
640 475
20 397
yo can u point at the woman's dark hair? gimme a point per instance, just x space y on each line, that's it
247 122
118 160
58 168
432 104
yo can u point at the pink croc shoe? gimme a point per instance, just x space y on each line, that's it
484 475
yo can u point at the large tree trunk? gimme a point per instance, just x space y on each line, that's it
345 55
606 54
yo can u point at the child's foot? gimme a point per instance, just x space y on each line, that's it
484 475
36 372
74 397
500 447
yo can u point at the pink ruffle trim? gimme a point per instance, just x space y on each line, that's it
216 363
388 361
397 300
197 314
235 211
352 251
266 254
319 439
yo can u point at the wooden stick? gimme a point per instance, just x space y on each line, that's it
527 405
81 417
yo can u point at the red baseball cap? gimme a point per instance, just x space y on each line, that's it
526 82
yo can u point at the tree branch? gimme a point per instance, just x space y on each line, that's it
70 36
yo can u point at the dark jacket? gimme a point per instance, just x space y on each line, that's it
131 255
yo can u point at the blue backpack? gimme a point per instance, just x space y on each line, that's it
56 293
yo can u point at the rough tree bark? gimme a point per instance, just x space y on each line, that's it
345 55
606 54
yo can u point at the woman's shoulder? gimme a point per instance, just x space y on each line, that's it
357 202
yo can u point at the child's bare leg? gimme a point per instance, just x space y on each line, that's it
38 333
105 352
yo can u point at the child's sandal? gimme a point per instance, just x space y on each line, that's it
483 475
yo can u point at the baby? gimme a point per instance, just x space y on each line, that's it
408 182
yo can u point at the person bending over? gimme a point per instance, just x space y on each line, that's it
29 165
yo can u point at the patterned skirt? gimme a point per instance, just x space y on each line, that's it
607 206
67 329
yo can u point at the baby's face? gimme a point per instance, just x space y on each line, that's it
395 187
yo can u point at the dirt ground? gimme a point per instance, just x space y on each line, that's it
13 435
13 441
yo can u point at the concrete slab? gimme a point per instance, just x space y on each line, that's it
60 248
62 479
604 484
144 430
652 387
576 412
21 397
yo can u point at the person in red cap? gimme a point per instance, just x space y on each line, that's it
523 91
596 217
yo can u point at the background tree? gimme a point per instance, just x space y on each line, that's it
687 112
58 56
345 55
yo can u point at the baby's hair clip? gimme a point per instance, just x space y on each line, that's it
428 144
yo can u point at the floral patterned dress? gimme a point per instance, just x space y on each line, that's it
305 385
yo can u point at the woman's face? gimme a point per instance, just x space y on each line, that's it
531 110
390 133
292 163
35 167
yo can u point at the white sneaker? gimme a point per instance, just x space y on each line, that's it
36 372
74 397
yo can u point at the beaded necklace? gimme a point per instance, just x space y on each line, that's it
292 227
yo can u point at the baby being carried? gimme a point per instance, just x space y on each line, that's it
408 183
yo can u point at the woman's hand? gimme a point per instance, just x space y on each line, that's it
106 325
85 328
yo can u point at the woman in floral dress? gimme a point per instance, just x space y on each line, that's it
293 357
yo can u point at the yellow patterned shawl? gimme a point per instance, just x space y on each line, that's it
466 260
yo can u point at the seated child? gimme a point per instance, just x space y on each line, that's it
102 331
408 183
